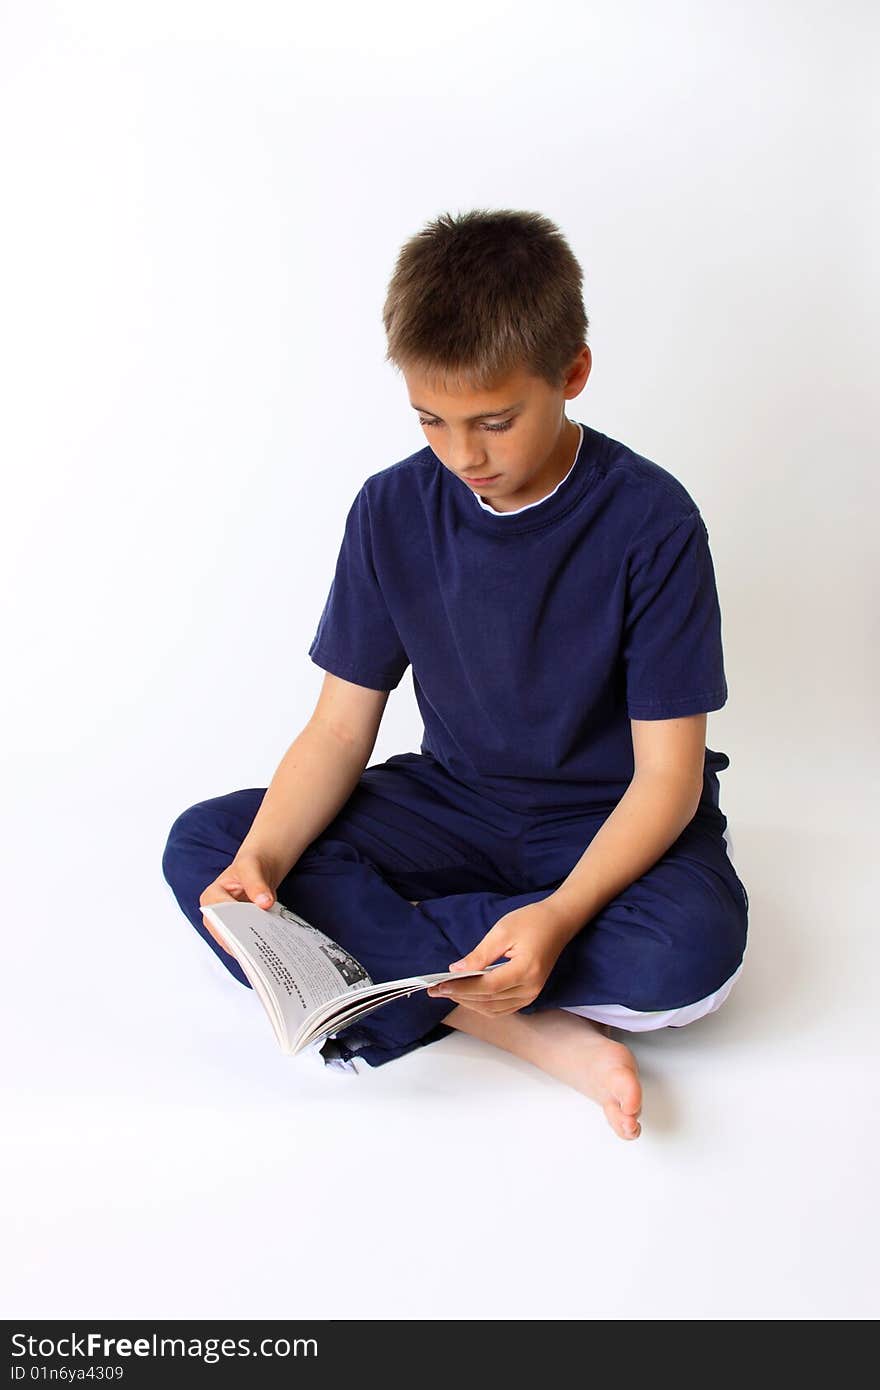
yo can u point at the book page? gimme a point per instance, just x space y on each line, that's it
343 1012
282 954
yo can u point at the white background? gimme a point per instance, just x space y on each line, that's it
202 204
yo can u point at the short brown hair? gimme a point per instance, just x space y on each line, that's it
479 295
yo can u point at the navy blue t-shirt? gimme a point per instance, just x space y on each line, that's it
534 636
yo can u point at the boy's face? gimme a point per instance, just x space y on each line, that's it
511 444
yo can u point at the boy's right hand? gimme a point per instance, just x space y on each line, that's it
249 878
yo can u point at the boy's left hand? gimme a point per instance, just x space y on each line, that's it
530 936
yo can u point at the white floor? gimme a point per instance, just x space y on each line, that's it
163 1159
170 314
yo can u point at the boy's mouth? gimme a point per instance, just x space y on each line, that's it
481 482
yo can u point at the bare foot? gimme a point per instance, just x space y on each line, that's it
575 1050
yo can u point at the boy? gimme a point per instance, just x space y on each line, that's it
555 595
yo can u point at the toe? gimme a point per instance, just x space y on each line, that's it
624 1104
626 1089
624 1126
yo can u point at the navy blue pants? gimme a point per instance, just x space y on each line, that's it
410 831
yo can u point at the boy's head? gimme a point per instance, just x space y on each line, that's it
484 318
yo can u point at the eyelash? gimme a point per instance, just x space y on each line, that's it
492 429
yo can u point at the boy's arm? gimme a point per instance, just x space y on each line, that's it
659 802
318 773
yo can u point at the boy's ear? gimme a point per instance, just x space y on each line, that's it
580 370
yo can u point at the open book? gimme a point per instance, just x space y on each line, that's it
308 984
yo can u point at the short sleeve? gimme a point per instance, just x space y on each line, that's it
672 653
356 638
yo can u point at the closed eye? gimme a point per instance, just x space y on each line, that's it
492 429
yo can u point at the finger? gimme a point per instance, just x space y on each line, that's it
461 998
212 931
217 896
221 891
498 979
514 997
492 1010
249 888
475 989
259 892
493 945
